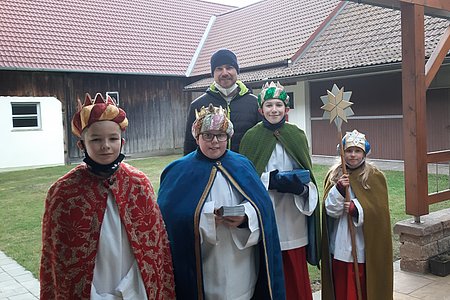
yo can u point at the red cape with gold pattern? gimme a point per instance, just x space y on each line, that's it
74 211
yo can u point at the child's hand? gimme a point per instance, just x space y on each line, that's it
350 208
343 182
347 206
234 221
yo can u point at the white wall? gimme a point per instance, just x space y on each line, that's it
301 113
30 148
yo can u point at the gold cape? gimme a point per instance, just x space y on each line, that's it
377 237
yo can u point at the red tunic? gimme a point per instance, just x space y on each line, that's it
74 211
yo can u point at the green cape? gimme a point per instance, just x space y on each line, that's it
258 144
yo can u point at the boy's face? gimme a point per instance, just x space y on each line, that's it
225 75
103 141
213 143
353 156
273 110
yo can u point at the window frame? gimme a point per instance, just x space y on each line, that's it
291 99
37 116
115 96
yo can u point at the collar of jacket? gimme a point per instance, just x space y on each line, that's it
243 89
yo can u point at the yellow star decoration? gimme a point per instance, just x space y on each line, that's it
336 105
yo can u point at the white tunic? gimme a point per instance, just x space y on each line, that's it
290 209
340 239
229 255
116 274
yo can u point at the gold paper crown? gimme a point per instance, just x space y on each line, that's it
211 118
209 110
356 139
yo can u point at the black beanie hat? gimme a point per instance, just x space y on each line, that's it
223 57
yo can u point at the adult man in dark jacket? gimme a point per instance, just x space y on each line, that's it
231 94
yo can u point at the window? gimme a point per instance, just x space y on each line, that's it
114 95
291 99
26 115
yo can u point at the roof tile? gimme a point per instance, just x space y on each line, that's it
265 32
104 35
361 35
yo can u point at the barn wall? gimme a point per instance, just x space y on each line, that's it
156 106
378 113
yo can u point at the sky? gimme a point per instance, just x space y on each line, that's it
238 3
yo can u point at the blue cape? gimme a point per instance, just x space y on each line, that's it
185 184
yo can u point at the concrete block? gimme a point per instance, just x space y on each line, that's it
444 244
429 226
412 251
421 240
419 266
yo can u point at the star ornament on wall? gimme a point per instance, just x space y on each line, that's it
337 105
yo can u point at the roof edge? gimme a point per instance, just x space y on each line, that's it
280 63
88 71
316 34
200 46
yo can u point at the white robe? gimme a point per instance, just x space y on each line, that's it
116 274
340 239
229 256
290 209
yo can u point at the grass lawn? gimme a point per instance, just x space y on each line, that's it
22 195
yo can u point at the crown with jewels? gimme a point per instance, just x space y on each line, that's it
356 139
212 118
273 91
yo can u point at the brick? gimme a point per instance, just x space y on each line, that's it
446 223
444 244
419 266
429 226
413 251
421 240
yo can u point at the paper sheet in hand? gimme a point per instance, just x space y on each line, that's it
231 211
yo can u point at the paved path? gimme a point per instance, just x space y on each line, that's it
16 283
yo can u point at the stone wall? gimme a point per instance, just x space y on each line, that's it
420 241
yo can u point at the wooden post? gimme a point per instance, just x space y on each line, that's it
414 109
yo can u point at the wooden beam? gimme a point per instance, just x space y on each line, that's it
439 197
437 57
414 109
438 156
435 4
435 8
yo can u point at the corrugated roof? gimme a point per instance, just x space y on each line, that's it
361 35
117 36
265 32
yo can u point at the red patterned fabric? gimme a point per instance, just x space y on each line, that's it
74 211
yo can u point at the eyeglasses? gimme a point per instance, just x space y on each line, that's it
221 137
